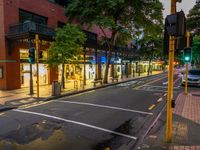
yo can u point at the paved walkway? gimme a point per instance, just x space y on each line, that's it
186 126
46 90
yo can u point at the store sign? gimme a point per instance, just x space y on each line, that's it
1 72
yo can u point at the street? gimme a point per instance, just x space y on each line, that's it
112 117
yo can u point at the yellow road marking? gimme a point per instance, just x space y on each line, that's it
1 114
151 107
33 105
159 100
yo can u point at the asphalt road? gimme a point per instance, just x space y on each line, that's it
115 117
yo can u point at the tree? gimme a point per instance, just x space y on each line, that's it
151 48
196 51
66 47
193 19
193 25
119 16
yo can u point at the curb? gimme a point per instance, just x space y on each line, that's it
5 108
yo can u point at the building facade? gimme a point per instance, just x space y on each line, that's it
20 20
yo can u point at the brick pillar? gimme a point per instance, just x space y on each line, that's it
53 75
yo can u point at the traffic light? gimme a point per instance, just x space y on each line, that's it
180 44
40 55
32 55
176 24
187 55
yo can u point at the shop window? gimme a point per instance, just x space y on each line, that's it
28 16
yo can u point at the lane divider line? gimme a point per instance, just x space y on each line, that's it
152 106
159 100
75 122
104 106
150 82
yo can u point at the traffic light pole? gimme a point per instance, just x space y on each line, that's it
170 80
37 62
186 69
31 74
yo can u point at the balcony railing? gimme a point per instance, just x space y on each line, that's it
31 27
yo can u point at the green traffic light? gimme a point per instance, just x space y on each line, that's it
187 58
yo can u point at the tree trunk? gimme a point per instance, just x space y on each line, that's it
63 77
149 69
105 80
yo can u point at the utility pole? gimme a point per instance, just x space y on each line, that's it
170 80
186 70
37 62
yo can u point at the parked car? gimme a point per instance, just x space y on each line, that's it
193 77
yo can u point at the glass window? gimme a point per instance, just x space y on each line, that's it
194 72
28 16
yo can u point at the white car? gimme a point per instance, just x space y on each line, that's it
193 77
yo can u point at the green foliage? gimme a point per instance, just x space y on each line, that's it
67 45
151 46
193 19
123 18
196 50
118 15
193 24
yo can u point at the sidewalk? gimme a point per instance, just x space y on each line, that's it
23 96
186 126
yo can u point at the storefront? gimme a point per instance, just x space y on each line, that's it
25 70
75 71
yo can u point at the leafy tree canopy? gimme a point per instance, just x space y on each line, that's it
67 45
121 16
193 19
124 18
196 50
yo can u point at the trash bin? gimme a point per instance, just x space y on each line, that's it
56 88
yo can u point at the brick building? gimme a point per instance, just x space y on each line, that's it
20 20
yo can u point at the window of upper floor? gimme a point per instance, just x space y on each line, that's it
28 16
60 2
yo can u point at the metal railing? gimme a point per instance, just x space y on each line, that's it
31 27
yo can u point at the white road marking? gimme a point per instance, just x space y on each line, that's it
75 122
163 87
104 106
